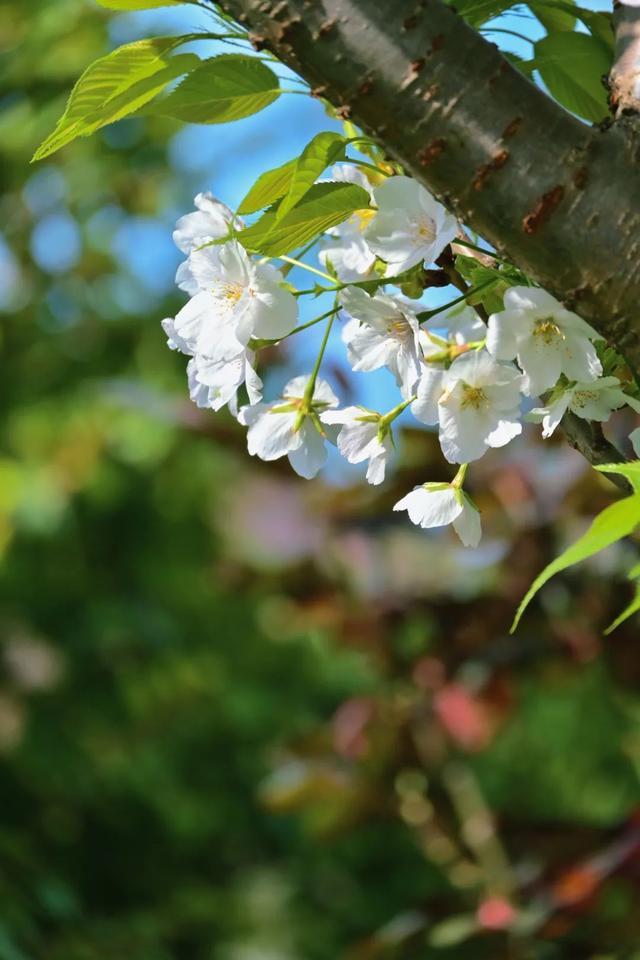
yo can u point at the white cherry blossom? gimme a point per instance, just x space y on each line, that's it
410 226
363 437
384 332
216 383
237 300
547 339
213 383
210 221
291 427
590 400
440 504
476 402
345 248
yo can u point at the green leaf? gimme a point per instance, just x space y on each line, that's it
572 65
614 523
630 470
325 205
628 611
221 89
268 188
555 17
117 85
138 4
598 23
477 12
318 154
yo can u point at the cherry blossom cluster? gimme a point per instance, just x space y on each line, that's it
467 377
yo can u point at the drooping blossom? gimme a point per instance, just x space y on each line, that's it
292 427
363 437
440 504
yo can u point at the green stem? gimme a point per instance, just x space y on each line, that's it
369 166
259 344
425 315
305 266
308 393
389 417
458 242
458 480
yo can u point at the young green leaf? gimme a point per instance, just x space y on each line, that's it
477 12
319 153
117 85
629 610
325 205
571 65
268 188
224 88
629 470
555 16
614 523
598 23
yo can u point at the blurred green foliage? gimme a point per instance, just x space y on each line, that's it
244 718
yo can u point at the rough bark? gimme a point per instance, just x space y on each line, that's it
560 198
624 79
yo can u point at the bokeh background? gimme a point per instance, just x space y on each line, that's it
242 716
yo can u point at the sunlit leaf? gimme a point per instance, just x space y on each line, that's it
555 16
268 188
630 470
324 206
224 88
629 610
322 151
572 66
117 85
477 12
614 523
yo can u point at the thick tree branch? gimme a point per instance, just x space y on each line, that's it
624 79
560 197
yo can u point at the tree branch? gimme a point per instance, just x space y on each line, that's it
562 198
588 439
624 79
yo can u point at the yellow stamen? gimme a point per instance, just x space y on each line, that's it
548 330
473 397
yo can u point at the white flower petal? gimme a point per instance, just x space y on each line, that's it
376 469
430 508
467 524
311 454
503 433
429 391
270 435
